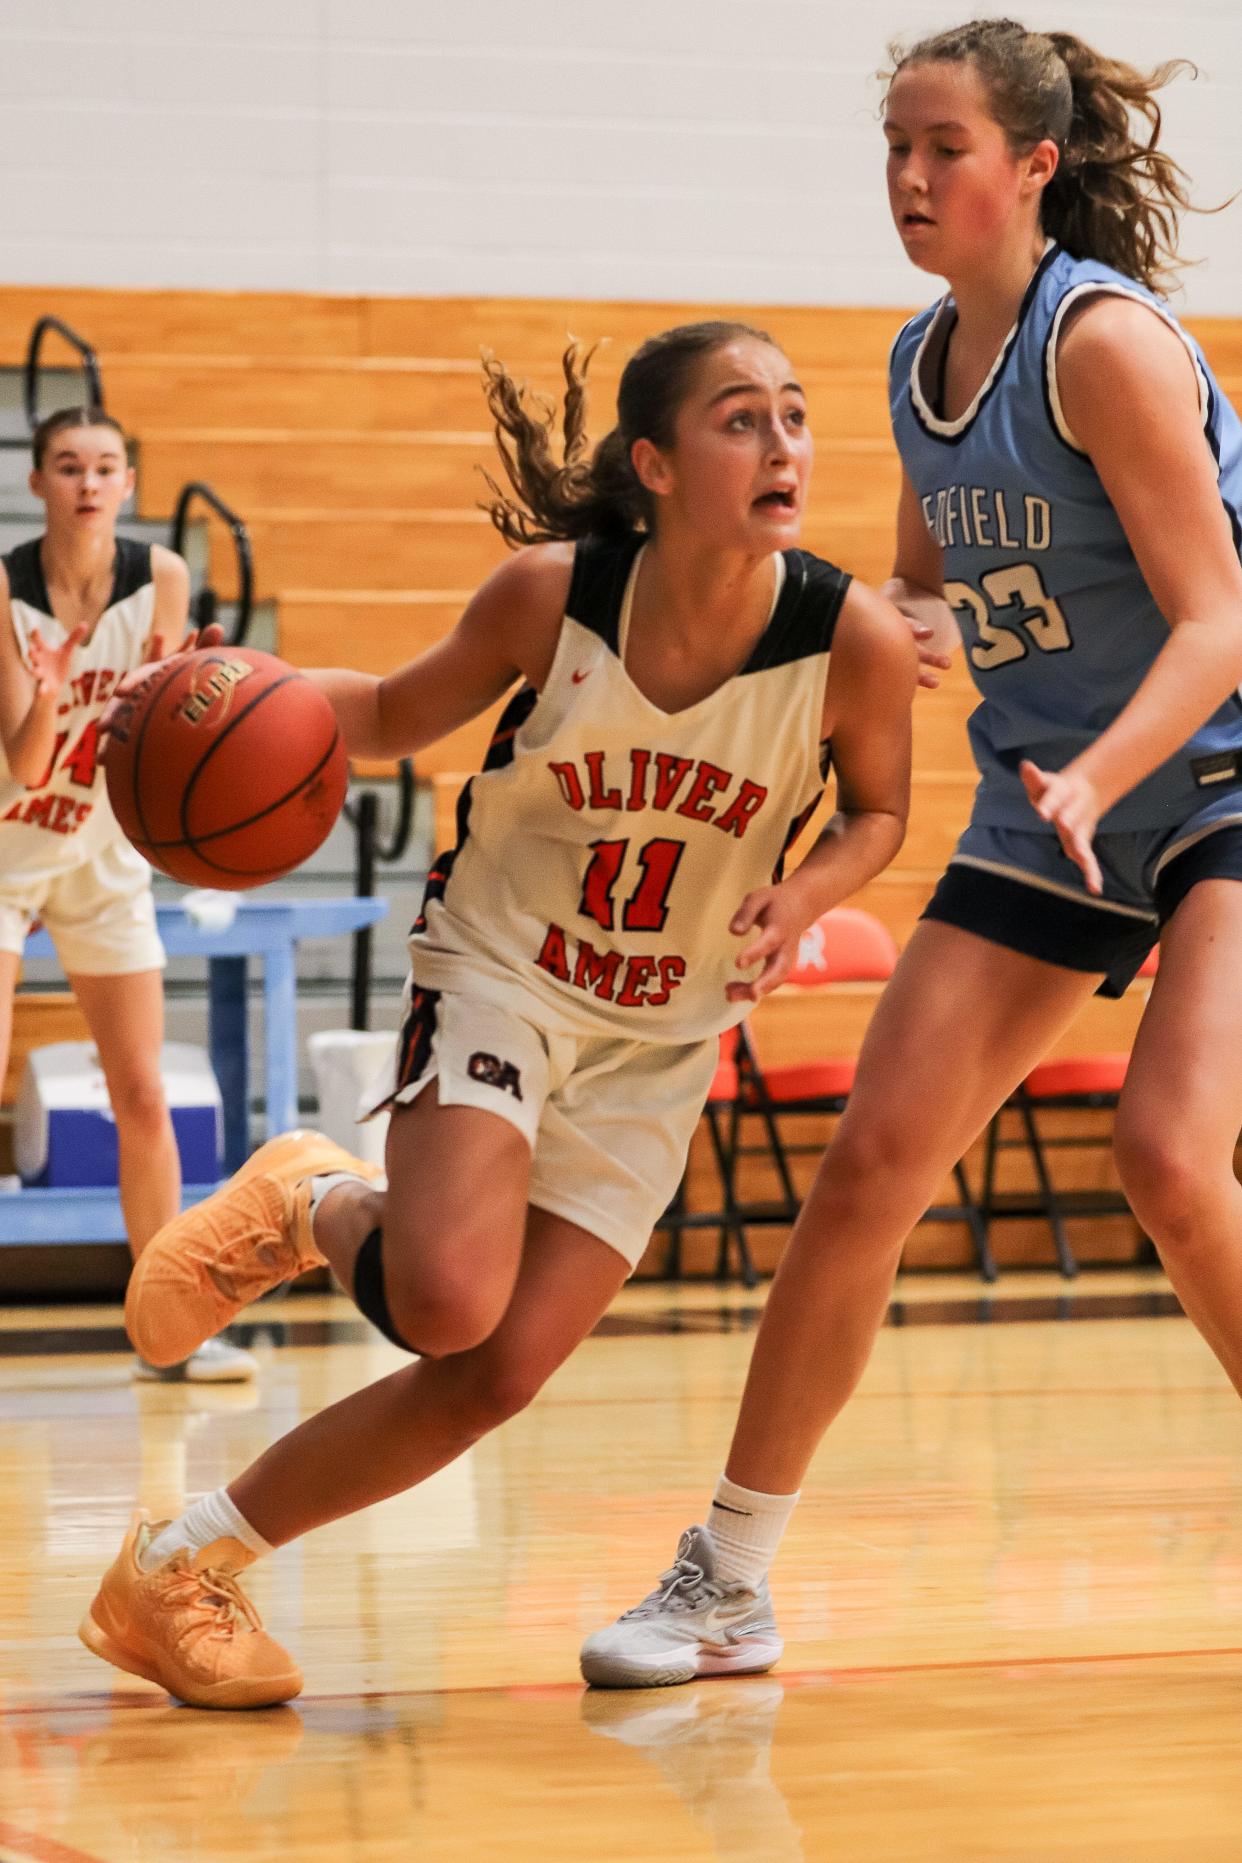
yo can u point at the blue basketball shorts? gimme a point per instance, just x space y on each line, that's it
1016 887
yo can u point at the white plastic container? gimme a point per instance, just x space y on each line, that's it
349 1067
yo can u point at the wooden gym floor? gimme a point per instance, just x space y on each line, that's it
1012 1600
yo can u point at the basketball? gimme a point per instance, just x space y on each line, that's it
225 768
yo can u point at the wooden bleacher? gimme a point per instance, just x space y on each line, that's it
350 432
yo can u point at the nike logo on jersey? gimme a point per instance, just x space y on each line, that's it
579 677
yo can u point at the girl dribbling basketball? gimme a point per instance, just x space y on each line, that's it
612 905
80 609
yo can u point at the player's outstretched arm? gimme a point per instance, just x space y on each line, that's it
916 587
1129 394
508 631
29 695
872 674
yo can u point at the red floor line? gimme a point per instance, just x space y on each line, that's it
796 1677
28 1844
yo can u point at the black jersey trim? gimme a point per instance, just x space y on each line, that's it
499 755
801 623
998 368
514 716
805 617
131 571
597 586
24 567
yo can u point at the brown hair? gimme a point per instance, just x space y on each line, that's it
601 495
64 418
1115 196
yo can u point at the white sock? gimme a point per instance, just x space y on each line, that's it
320 1186
214 1517
746 1528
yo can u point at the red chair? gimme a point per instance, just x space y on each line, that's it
845 946
720 1114
1074 1083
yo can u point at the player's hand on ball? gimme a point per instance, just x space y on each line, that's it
50 665
771 914
1068 800
210 636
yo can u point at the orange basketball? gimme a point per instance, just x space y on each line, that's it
225 768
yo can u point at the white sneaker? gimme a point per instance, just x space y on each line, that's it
692 1624
215 1362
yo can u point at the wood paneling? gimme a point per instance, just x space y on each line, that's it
39 1017
262 469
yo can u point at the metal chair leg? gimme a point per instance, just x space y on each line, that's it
1052 1207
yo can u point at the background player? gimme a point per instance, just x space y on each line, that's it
80 608
578 956
1073 485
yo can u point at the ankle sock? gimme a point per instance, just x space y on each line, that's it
214 1517
320 1186
746 1528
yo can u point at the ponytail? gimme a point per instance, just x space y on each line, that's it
553 501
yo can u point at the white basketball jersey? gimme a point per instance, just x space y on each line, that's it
66 818
606 844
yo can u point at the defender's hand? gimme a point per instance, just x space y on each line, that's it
1068 800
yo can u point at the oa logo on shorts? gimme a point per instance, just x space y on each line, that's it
493 1072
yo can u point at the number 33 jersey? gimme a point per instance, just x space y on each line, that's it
1059 625
606 845
66 817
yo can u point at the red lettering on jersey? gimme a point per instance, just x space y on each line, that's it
39 808
597 970
15 813
601 877
83 810
601 798
87 683
639 759
62 821
747 803
709 780
107 679
553 957
672 970
638 972
671 773
62 738
568 784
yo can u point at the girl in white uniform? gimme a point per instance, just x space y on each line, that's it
80 608
612 905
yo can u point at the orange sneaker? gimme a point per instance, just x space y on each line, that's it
188 1625
201 1269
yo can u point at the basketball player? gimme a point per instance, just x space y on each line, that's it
609 909
1072 493
80 608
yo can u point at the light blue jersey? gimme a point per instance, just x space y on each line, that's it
1059 625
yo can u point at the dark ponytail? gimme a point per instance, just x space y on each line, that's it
555 500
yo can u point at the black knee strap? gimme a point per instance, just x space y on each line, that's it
369 1295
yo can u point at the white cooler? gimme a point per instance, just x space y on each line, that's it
351 1066
64 1135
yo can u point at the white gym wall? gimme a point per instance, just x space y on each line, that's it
682 149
